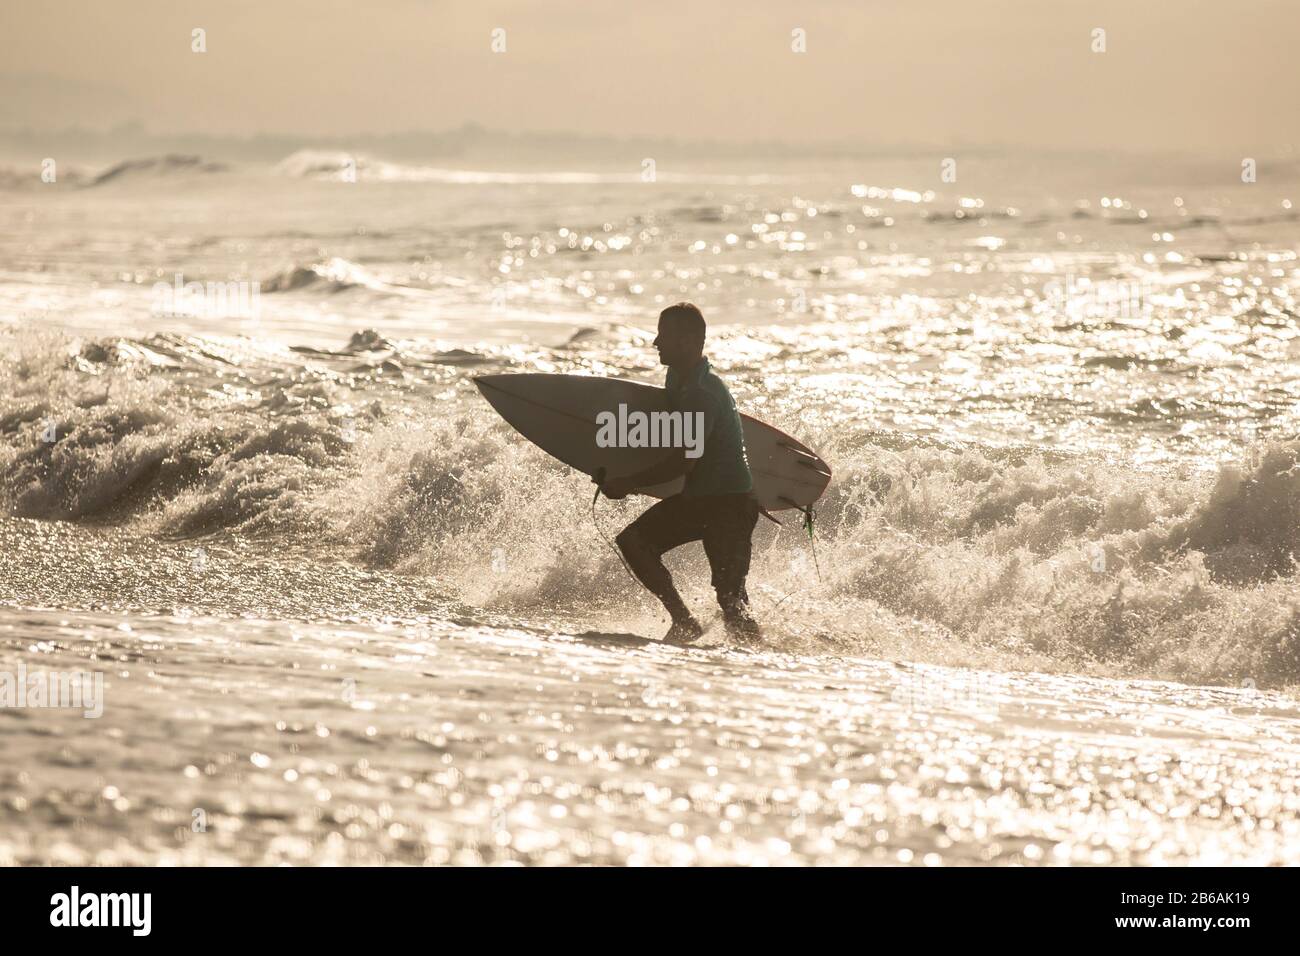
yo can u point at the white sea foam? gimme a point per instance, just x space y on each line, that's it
352 617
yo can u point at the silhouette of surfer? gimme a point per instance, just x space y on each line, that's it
716 505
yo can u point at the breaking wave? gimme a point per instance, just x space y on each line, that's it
342 166
157 167
382 454
330 276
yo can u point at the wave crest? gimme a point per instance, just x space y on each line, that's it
1049 561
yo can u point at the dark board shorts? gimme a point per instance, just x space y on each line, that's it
724 523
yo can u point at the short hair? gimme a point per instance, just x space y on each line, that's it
688 317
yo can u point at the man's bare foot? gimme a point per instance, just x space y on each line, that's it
684 631
742 627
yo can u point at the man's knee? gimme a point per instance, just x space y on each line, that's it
629 541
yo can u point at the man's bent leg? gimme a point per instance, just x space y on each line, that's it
728 542
664 526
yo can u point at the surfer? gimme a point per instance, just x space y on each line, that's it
715 506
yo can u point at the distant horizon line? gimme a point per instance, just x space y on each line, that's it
473 134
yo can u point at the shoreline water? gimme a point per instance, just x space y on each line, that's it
344 614
261 743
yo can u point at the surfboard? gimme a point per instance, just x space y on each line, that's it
558 413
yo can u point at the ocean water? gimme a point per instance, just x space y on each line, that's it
342 613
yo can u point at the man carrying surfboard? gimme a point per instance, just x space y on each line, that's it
715 506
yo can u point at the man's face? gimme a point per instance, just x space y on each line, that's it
671 343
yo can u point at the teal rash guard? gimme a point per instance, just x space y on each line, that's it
722 468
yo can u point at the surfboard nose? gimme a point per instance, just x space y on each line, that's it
493 386
494 389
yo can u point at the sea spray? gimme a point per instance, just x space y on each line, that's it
931 549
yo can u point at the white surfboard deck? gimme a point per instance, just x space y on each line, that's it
558 414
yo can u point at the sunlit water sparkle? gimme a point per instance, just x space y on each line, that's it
345 615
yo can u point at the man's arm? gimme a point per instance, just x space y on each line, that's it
674 466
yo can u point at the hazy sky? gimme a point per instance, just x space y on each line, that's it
1215 75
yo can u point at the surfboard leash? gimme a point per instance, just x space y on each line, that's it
599 479
809 521
808 524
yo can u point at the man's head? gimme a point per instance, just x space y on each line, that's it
681 336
